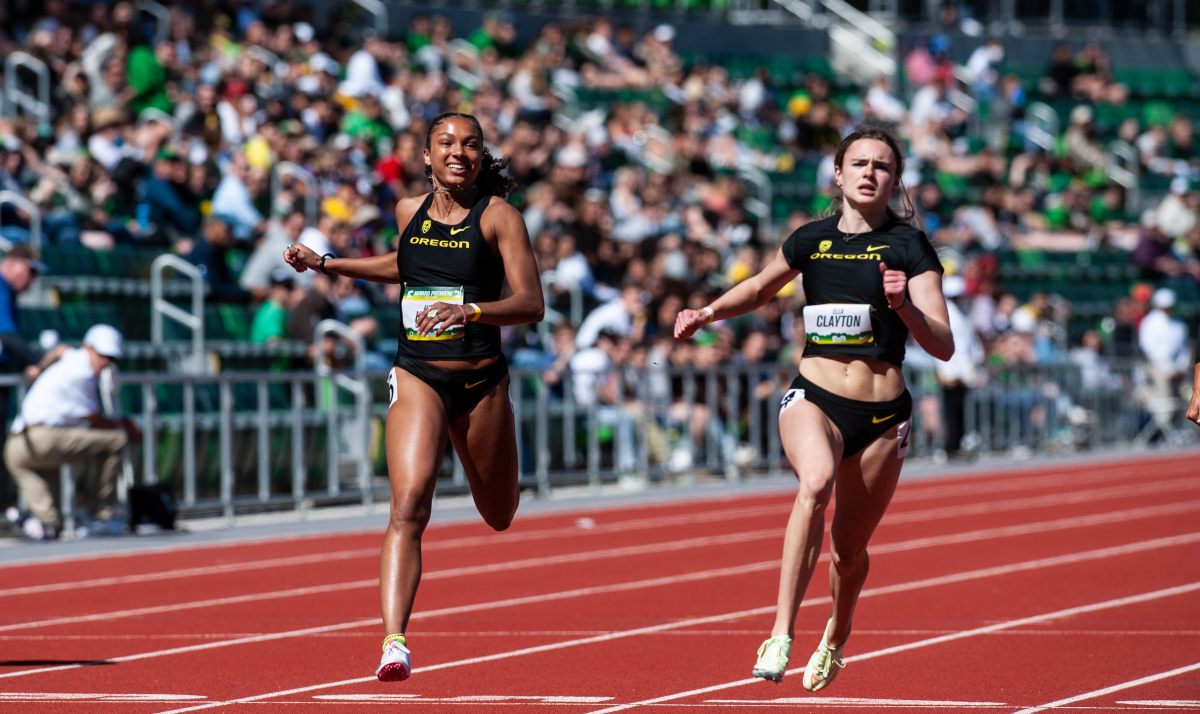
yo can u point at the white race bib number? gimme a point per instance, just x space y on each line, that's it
416 299
838 324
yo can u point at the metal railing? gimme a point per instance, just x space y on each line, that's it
1122 166
234 442
160 307
35 218
759 204
1041 126
38 105
162 18
379 10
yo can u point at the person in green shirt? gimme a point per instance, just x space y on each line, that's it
418 33
148 79
271 320
497 31
366 120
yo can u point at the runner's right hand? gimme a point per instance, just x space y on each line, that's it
301 257
688 321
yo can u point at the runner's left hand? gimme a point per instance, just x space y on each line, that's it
895 286
447 316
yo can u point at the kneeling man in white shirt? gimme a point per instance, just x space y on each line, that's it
61 422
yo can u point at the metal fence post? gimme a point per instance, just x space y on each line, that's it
264 442
732 422
689 397
189 443
299 472
149 435
66 492
569 458
542 439
593 448
227 449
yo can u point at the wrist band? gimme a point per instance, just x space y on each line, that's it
478 312
710 313
321 263
464 313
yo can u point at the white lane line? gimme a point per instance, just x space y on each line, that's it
1172 703
1057 615
88 697
884 548
870 592
859 702
647 523
1115 688
462 700
1056 501
1088 477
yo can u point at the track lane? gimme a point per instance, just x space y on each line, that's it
562 525
228 581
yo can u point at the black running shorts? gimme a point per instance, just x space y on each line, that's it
460 389
860 422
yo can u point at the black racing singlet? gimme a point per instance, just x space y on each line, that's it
452 264
847 312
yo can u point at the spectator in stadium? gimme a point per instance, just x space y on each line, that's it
210 253
233 202
961 372
595 382
271 319
624 316
1094 370
259 271
18 269
1163 339
49 432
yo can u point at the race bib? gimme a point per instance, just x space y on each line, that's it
416 299
838 324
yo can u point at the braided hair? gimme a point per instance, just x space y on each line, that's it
490 182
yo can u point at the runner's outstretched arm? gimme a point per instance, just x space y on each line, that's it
746 296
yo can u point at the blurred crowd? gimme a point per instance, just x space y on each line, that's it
242 130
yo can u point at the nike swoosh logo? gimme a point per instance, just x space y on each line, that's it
468 386
869 248
876 420
456 231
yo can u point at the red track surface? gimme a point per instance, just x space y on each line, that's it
1076 587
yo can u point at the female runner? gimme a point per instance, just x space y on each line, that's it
458 244
870 279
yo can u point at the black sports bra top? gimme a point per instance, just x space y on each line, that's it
453 264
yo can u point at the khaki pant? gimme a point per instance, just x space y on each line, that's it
34 457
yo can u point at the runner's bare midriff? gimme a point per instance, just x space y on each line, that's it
864 380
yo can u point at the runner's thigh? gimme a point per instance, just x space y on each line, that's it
812 444
865 484
486 442
416 440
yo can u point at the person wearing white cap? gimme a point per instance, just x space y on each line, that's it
1163 339
61 422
